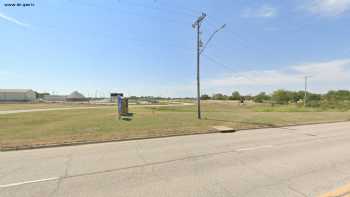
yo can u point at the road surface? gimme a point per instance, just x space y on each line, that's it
292 161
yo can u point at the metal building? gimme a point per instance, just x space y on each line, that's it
17 95
76 96
55 98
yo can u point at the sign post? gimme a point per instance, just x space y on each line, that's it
120 106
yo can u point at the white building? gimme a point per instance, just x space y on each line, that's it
55 98
17 95
76 96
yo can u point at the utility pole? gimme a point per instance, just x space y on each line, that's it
305 96
200 48
197 25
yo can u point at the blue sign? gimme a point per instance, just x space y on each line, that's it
120 104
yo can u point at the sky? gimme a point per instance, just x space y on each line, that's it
148 47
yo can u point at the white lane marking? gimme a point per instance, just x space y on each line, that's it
28 182
254 148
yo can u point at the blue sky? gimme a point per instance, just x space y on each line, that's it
147 47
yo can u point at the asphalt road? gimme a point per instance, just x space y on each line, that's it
291 161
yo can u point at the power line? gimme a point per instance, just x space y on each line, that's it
244 43
213 24
215 61
159 7
219 63
183 10
188 12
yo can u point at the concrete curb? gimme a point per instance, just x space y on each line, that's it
294 125
83 142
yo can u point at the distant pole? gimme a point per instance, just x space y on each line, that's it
197 25
305 96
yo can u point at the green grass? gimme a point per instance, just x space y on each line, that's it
102 124
286 108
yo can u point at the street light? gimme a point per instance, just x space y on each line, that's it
200 50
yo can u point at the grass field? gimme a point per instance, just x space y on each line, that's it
24 106
76 125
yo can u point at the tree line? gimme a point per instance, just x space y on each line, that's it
331 99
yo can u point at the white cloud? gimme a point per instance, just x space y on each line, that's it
329 7
264 11
13 20
324 76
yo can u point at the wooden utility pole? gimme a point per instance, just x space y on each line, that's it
200 49
197 25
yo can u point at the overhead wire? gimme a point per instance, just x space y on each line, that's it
188 12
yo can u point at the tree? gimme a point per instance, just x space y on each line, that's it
281 97
313 100
205 97
248 97
339 95
235 96
300 96
294 97
313 97
219 96
261 97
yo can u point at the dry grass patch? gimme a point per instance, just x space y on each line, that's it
60 127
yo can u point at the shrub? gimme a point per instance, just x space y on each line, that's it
261 97
281 97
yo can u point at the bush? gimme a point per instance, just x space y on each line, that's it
219 96
205 97
281 97
313 103
261 97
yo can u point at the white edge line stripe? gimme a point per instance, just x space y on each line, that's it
28 182
254 148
